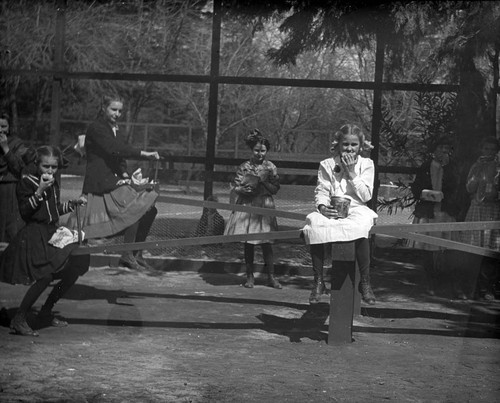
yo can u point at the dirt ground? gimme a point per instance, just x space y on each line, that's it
186 336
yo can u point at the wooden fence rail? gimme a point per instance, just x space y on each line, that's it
417 232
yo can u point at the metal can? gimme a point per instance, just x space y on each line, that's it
341 204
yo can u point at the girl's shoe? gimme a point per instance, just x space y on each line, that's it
250 281
128 260
142 262
48 317
272 282
366 292
316 293
19 326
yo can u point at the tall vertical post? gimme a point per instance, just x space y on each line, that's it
377 121
213 99
377 111
495 92
55 117
343 293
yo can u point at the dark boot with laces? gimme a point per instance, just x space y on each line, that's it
272 282
47 317
140 259
366 290
19 326
319 288
127 259
250 277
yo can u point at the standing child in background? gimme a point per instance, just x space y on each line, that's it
436 190
484 187
255 184
14 156
30 258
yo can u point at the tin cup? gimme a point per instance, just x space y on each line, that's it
341 204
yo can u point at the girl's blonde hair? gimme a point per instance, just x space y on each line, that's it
350 129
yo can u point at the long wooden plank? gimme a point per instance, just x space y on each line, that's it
449 244
235 207
84 250
398 229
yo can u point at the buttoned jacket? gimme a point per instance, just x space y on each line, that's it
106 158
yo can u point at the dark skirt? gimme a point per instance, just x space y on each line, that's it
109 214
10 219
30 257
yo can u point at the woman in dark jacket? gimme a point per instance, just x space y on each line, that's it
14 156
436 189
113 204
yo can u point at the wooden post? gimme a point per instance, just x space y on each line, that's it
146 137
78 223
55 115
377 113
213 99
343 292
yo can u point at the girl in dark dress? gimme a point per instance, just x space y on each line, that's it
30 259
113 204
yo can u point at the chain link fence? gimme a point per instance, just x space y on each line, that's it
176 221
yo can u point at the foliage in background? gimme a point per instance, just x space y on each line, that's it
434 118
446 42
172 37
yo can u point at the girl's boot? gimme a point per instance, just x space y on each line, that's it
249 255
267 251
363 260
366 289
127 259
250 278
271 280
19 326
319 287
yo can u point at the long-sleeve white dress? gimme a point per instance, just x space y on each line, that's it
320 229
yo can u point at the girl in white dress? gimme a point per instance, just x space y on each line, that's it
349 175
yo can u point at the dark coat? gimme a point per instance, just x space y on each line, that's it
13 163
106 158
450 189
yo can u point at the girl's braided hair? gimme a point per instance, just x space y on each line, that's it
255 137
49 151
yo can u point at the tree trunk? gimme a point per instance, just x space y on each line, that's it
38 115
471 111
13 107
